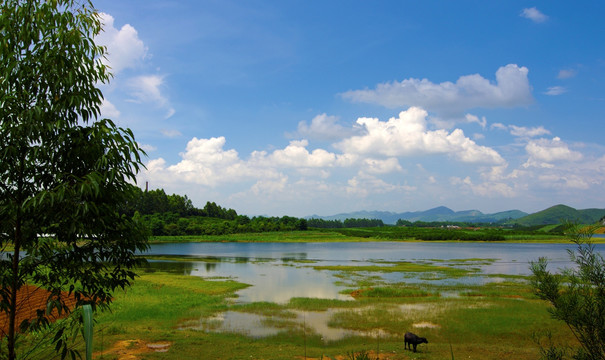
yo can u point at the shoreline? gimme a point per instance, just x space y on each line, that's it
310 237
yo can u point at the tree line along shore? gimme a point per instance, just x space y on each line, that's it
175 216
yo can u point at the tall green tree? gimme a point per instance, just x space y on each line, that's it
577 296
64 171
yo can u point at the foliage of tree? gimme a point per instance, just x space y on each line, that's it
576 296
216 211
324 224
402 222
362 223
175 215
63 170
169 224
157 201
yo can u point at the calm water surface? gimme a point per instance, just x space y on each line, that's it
281 271
511 258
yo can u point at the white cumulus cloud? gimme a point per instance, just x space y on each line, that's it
297 155
521 131
124 48
407 135
269 187
323 127
475 119
486 189
534 15
147 147
204 162
542 152
377 166
364 184
109 110
499 126
511 89
564 181
147 89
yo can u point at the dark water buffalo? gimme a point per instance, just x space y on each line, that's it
413 339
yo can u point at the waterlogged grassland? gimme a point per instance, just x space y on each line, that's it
495 320
159 301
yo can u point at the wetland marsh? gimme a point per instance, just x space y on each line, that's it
324 300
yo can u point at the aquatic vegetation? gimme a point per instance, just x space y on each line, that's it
404 267
392 292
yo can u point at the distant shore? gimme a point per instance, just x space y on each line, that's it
321 236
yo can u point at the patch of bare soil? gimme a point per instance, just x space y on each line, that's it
31 299
131 349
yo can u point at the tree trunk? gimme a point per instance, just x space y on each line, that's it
12 312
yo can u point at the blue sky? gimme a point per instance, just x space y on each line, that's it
321 107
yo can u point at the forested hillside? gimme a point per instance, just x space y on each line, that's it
175 215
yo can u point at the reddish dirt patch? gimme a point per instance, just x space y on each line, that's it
29 300
131 349
359 293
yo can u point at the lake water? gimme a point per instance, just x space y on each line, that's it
278 272
367 251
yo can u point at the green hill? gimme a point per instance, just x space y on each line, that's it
561 213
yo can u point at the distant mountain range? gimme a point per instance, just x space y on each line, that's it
552 215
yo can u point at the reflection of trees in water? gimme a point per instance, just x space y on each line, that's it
176 267
294 256
210 266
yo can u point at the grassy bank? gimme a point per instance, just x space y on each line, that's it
278 236
355 235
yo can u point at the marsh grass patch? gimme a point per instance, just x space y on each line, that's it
310 304
402 267
264 308
392 292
